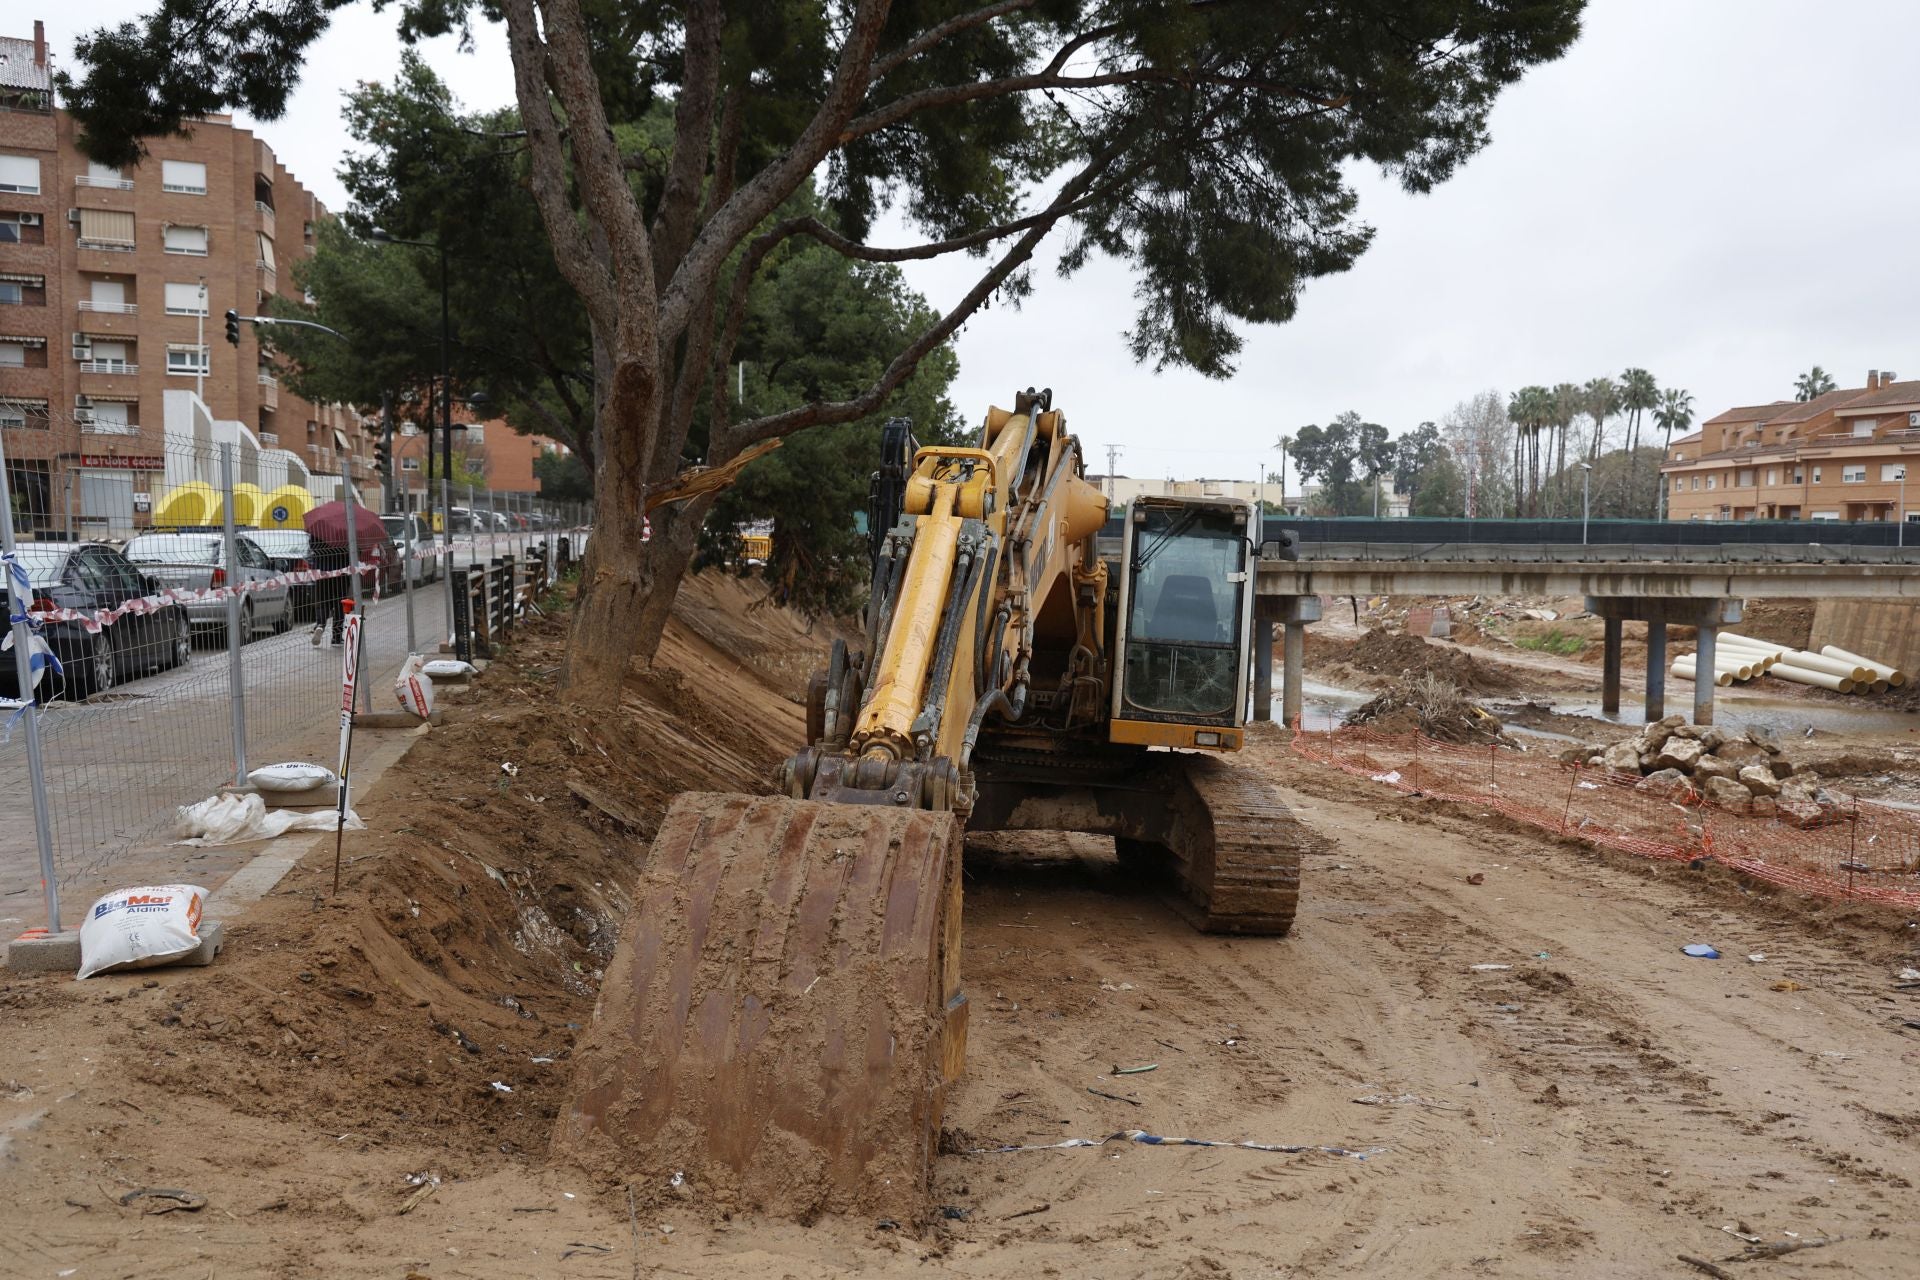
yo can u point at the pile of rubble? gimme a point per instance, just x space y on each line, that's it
1747 771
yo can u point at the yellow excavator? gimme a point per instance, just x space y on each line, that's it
784 1014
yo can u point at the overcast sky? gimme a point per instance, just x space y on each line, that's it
1723 191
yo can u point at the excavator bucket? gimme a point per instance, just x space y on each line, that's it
783 1014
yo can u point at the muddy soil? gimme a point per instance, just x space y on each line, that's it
337 1086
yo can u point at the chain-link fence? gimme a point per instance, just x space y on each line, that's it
176 607
1854 849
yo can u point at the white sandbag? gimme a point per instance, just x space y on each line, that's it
236 819
293 775
441 668
413 687
138 928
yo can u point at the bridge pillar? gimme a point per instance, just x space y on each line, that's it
1263 658
1658 612
1656 671
1610 669
1293 613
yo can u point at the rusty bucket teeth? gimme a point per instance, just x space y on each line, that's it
783 1014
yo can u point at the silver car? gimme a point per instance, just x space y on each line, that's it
195 561
417 543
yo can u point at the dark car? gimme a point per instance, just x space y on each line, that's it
87 577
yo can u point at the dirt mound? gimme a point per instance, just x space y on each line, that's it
1392 656
1786 622
437 999
1429 703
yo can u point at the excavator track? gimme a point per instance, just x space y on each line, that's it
1237 850
783 1015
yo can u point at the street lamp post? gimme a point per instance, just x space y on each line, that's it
1900 517
1586 499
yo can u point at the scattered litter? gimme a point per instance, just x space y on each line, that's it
139 928
1167 1044
169 1199
1119 1070
236 819
1910 975
1478 877
419 1196
1754 1251
1112 1097
509 768
679 1179
583 1246
1027 1213
540 1062
1758 957
1401 1100
498 1087
1392 776
413 687
1787 984
1543 955
441 668
954 1213
1700 951
1155 1140
1488 968
1589 786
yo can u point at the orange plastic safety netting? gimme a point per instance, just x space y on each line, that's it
1856 849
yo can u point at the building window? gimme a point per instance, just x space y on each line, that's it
1816 475
1679 483
1799 476
186 240
20 174
186 358
1864 426
22 228
1826 515
1713 482
25 415
1773 475
1696 484
1892 472
1745 480
1854 474
106 229
13 355
185 300
102 175
409 464
184 177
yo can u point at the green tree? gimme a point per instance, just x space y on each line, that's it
1205 145
1413 457
1813 383
1599 400
1339 455
1440 489
1639 394
1531 409
563 477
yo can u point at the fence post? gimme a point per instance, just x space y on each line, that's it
18 602
454 613
353 576
236 676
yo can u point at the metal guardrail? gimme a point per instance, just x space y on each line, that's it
1639 553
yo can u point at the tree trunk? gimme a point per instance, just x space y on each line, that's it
675 537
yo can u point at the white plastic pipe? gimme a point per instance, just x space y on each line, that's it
1752 646
1878 686
1824 679
1768 656
1833 666
1750 642
1892 675
1682 669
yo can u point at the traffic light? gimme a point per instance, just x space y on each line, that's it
383 453
233 327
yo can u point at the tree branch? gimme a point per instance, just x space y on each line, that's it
820 413
934 35
750 205
673 224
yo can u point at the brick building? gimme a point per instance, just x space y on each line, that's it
112 289
1839 456
489 449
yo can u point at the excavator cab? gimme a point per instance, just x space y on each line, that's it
1186 621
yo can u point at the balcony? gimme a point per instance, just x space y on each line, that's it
92 426
109 308
112 184
108 366
269 391
266 213
269 439
269 280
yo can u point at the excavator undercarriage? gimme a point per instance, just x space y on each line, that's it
784 1014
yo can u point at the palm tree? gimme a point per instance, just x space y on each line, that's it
1674 414
1639 393
1814 382
1530 410
1517 415
1565 406
1601 400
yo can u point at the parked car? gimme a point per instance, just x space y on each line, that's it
193 561
88 576
414 543
291 550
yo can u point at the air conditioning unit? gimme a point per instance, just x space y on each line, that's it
82 339
1913 419
73 217
83 402
29 219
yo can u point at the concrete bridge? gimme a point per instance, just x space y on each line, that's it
1660 585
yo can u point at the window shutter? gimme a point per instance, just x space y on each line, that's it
266 250
20 173
108 226
187 239
185 297
188 176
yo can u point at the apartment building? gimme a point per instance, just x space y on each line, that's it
1840 456
113 285
500 458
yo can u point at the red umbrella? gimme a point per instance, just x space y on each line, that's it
328 523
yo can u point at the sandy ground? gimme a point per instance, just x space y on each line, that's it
1599 1107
